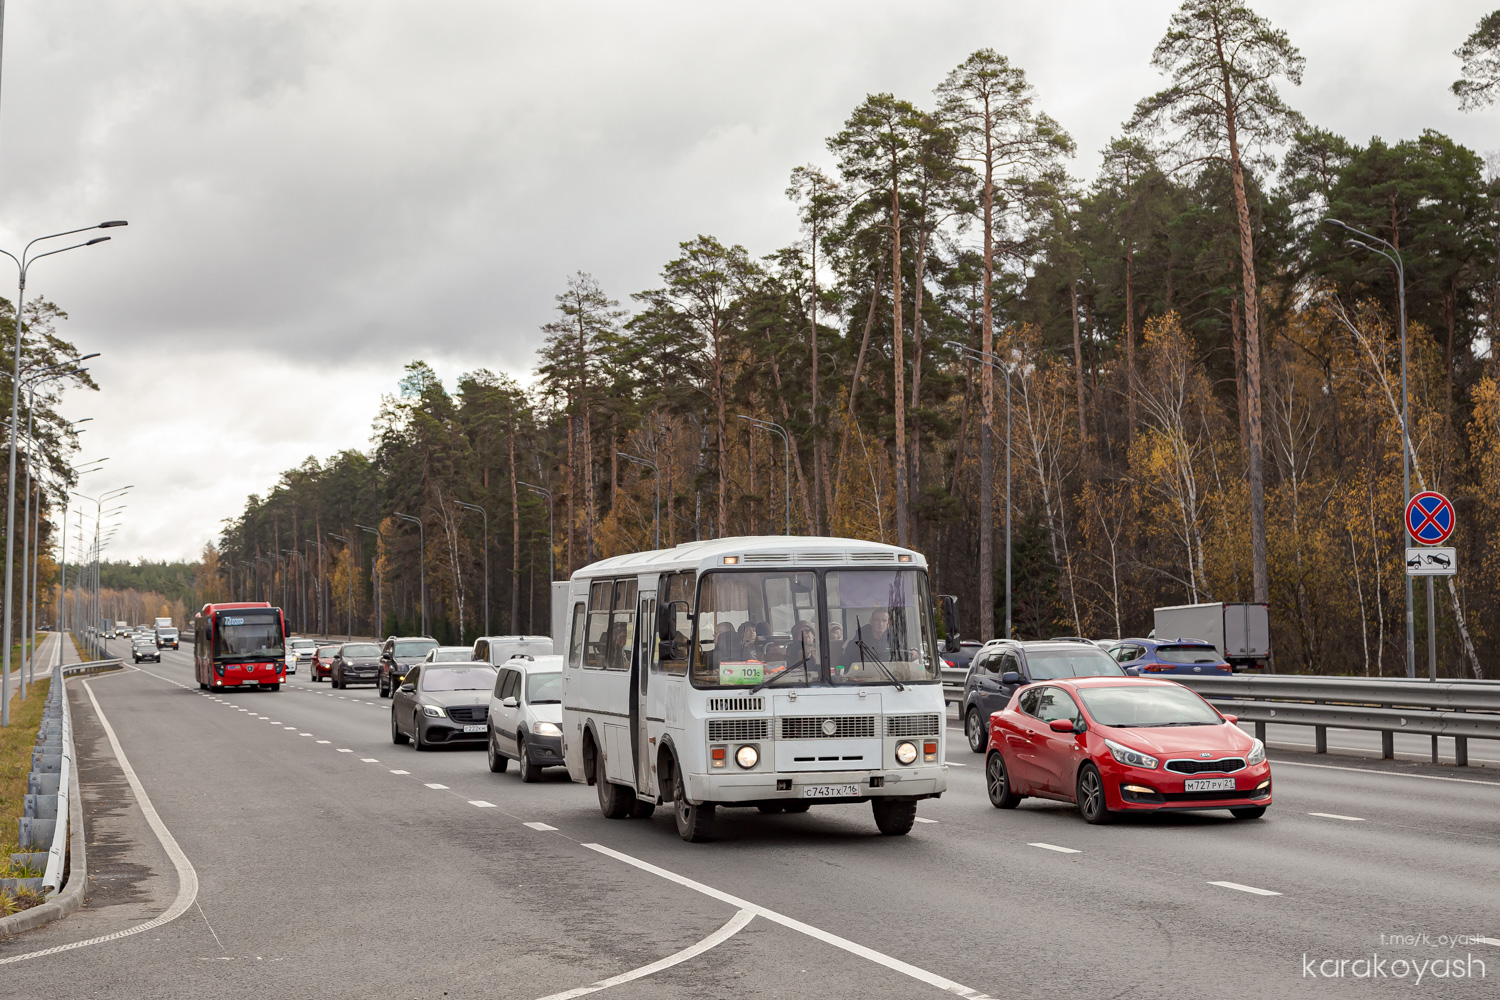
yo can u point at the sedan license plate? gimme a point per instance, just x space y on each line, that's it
473 729
1208 785
829 791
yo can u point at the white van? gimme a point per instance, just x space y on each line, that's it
496 649
775 672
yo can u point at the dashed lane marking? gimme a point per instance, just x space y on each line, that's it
400 772
370 760
325 741
1054 847
1245 888
924 819
304 734
434 784
540 826
1489 940
1394 774
481 804
343 750
1347 819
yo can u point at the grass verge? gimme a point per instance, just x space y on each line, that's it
16 743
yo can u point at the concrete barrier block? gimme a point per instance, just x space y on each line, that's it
35 832
43 783
40 806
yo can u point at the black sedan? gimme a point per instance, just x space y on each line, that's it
355 663
442 703
144 648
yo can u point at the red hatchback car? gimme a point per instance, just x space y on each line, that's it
322 663
1114 745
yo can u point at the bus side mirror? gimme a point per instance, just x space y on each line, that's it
664 622
950 622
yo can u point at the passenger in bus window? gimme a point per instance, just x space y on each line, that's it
836 648
619 647
749 647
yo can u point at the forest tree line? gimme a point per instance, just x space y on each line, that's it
1191 377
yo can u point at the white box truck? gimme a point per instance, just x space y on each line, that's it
1241 632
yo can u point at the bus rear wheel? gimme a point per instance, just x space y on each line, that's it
695 824
614 800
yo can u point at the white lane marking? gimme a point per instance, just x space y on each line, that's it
187 876
304 734
1485 940
1414 754
434 784
1054 847
242 710
1349 819
1245 888
325 741
1396 774
539 826
288 727
370 760
481 804
736 924
954 763
924 819
401 772
345 751
817 933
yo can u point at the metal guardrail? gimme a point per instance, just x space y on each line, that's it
953 684
1461 710
43 823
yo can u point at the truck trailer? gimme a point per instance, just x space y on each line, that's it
1241 632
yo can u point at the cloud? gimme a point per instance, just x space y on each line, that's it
319 192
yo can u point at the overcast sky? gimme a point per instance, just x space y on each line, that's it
321 192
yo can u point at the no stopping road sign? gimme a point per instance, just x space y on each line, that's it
1429 518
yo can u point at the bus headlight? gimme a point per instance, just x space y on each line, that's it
906 752
747 756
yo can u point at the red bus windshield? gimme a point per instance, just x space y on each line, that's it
250 634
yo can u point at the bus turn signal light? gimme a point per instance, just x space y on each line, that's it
929 751
718 756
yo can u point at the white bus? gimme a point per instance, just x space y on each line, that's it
770 672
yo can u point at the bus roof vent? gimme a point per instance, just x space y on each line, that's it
740 704
765 557
820 557
872 557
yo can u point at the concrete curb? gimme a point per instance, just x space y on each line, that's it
71 897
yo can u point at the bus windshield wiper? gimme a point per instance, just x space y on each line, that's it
800 663
866 653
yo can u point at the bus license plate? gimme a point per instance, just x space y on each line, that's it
1208 785
829 791
473 729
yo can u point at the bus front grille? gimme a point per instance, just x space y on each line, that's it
911 725
740 704
734 730
812 727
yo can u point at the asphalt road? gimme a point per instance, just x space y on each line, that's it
330 863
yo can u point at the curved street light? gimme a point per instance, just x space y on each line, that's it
786 446
23 265
543 492
380 543
485 515
421 562
349 623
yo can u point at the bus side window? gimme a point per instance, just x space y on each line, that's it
575 639
596 639
676 588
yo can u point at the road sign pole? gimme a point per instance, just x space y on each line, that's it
1431 635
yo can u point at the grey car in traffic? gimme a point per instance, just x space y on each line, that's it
526 716
441 704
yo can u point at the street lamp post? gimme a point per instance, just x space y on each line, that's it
1393 255
994 361
656 544
23 265
99 513
31 520
379 541
62 591
786 447
320 602
486 517
421 562
542 492
349 610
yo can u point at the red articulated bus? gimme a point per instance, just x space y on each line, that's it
239 645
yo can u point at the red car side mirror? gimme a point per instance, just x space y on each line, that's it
1231 719
1061 725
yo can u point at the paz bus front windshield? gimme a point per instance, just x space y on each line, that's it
799 628
249 636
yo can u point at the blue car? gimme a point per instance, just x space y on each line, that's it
1169 656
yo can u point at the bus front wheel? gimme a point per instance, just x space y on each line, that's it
894 816
695 824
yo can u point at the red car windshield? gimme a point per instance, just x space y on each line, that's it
1143 706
